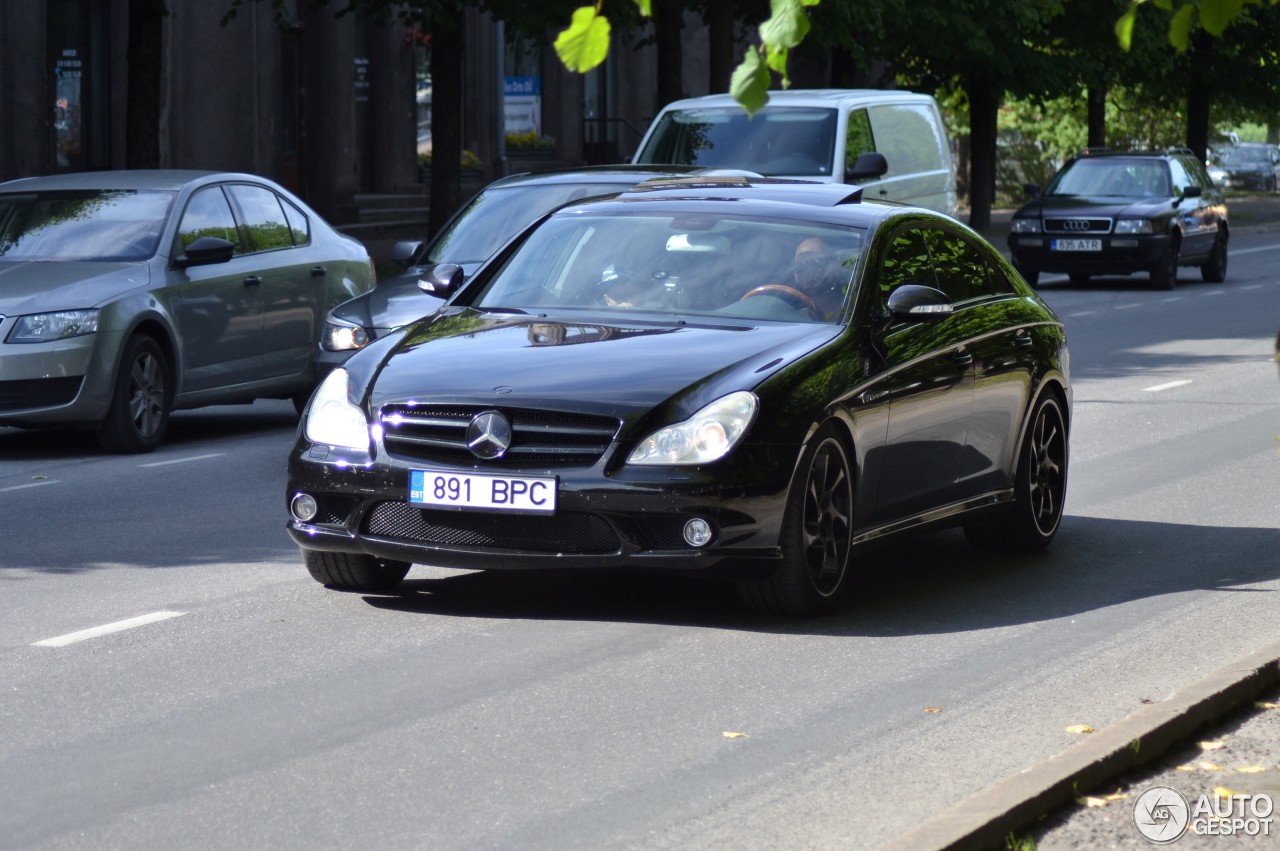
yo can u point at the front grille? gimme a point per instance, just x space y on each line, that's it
38 392
1078 226
567 532
543 438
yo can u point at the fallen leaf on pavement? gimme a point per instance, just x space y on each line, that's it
732 735
933 709
1209 766
1224 792
1251 769
1185 768
1079 728
1212 746
1262 704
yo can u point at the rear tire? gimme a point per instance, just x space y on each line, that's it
1214 271
1039 487
138 416
352 572
817 529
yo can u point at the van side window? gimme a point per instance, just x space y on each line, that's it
858 138
918 145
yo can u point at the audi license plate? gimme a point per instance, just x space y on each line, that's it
1075 245
439 489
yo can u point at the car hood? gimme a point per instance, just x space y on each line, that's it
1091 205
590 365
32 286
395 301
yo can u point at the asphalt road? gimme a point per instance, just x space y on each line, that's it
496 710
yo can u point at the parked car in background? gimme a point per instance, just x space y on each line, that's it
751 379
1250 165
125 295
498 212
1113 213
892 143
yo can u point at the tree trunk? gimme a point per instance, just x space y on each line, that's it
1198 96
720 46
984 103
446 118
142 94
1097 99
668 20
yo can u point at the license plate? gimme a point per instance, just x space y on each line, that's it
483 492
1075 245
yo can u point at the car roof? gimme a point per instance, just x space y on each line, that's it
807 97
172 179
605 174
1107 153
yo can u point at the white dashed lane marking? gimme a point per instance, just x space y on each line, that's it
1167 386
106 629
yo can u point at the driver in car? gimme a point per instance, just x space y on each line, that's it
819 273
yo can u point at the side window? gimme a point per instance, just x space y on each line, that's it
858 138
299 225
1195 173
963 269
1181 180
910 139
906 262
208 214
263 219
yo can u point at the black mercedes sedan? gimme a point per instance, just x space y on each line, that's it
1117 213
748 379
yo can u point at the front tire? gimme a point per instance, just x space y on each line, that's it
1164 275
817 529
1214 271
138 416
351 572
1039 487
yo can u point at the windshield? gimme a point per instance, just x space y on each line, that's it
1244 156
1115 177
791 141
679 263
82 224
497 214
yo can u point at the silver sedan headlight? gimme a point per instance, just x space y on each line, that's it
45 327
343 336
332 419
706 436
1133 226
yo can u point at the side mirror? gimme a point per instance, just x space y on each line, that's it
442 279
868 166
404 253
1031 190
1192 192
205 251
918 303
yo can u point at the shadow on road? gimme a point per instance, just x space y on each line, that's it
934 585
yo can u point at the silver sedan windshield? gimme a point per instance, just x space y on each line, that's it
89 224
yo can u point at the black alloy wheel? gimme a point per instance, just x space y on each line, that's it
1039 488
354 572
138 416
817 530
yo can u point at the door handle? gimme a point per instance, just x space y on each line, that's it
318 271
252 280
1022 340
962 358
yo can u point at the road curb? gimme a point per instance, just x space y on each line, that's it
984 820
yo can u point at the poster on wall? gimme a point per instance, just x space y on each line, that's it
68 73
522 105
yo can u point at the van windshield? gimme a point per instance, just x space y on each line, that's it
777 141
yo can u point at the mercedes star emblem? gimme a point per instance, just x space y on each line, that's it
488 435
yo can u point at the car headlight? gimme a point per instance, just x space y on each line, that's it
44 327
332 419
1026 225
1133 226
343 336
706 436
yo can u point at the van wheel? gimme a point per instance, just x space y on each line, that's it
139 413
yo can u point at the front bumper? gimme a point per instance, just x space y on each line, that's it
628 518
1119 255
63 382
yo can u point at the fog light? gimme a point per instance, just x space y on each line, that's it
304 507
697 533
